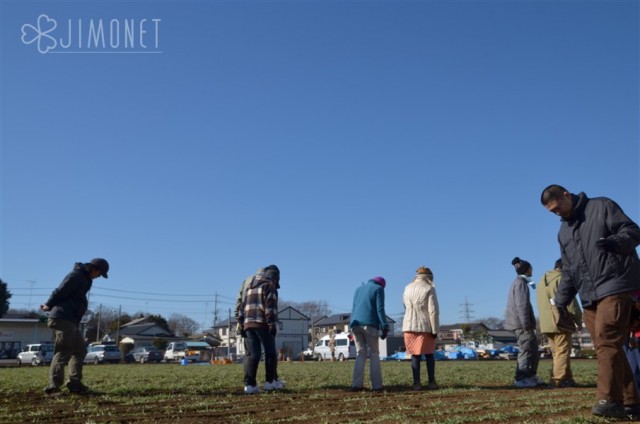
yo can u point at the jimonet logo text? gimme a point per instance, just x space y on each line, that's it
129 35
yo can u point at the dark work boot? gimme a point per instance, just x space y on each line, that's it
608 409
632 412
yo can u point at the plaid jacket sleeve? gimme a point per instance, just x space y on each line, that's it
270 301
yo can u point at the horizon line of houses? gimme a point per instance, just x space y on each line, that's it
296 332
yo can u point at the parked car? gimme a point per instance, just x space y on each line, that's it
308 353
147 354
175 351
9 353
36 354
345 347
100 354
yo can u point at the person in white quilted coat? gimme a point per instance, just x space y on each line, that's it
421 324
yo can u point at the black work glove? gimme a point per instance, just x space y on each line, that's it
607 245
273 330
384 333
241 331
565 312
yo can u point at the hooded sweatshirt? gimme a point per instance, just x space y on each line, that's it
69 301
259 302
546 290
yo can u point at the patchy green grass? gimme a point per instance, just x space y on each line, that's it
471 392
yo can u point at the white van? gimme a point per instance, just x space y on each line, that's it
345 348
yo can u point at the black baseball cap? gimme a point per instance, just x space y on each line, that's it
102 265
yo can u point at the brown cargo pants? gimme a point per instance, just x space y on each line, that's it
608 323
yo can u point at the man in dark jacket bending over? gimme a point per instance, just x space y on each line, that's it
67 304
600 263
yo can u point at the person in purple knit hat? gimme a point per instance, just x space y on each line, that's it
368 318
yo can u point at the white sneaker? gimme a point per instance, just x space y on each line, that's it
251 390
525 383
274 385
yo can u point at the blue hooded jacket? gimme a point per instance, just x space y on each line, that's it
368 306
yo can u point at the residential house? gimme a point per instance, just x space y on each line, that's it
225 330
293 332
501 338
292 338
16 333
140 332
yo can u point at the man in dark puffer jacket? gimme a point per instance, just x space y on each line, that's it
67 304
600 263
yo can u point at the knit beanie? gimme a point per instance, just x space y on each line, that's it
558 264
520 265
380 281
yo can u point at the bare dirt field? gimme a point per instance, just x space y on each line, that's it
475 392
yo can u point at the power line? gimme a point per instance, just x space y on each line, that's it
94 289
151 300
161 294
139 308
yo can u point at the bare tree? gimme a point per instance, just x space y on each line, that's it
100 322
182 325
493 323
314 309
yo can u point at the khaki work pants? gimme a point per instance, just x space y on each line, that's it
69 348
560 344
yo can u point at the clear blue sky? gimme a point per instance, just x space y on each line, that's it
338 140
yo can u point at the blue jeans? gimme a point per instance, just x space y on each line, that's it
257 338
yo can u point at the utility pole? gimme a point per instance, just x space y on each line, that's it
313 333
118 329
99 322
215 309
229 335
204 319
32 283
